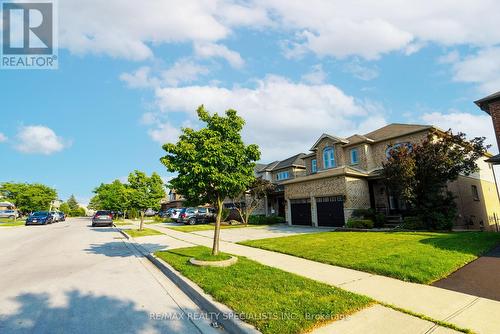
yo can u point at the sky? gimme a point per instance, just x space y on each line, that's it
131 75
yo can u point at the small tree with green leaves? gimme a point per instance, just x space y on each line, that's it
146 192
420 175
250 199
114 196
28 197
212 163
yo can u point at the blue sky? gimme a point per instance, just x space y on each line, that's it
130 77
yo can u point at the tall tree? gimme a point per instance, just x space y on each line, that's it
420 175
28 197
146 192
114 196
250 199
212 163
72 203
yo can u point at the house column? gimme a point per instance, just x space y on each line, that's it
314 212
288 213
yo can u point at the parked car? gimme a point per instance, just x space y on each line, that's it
40 218
62 215
11 214
56 216
196 215
102 217
150 213
174 214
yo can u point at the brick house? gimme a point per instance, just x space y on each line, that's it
343 174
491 105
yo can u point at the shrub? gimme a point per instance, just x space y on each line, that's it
264 220
364 214
360 223
413 223
380 220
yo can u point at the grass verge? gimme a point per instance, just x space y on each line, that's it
135 233
272 300
204 227
11 222
421 257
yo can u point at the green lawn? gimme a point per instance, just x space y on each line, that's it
421 257
135 233
122 222
203 227
11 222
272 300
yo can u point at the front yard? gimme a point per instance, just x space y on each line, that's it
421 257
11 222
202 227
271 299
136 233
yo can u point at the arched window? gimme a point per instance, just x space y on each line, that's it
328 157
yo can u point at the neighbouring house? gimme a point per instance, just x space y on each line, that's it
491 105
7 206
344 174
174 200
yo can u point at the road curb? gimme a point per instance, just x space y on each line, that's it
121 232
220 312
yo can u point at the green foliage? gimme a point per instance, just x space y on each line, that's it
380 220
114 196
360 223
133 213
250 199
212 163
265 220
28 197
80 212
420 175
413 223
363 213
65 208
145 192
73 203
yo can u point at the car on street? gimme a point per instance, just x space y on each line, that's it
62 216
197 215
40 218
56 215
174 214
102 217
11 214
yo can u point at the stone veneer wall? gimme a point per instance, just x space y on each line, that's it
495 116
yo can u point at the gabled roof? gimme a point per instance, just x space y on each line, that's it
396 130
296 160
267 168
354 139
484 103
325 135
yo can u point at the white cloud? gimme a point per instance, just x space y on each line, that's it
283 117
141 78
482 68
361 72
3 138
474 125
165 133
208 50
316 76
38 139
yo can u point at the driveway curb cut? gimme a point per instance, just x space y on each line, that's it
225 316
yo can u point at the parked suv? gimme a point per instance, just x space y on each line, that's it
102 217
11 214
197 215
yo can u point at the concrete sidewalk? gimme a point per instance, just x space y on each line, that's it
467 311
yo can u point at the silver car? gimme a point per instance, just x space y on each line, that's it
11 214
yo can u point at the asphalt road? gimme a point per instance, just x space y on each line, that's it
71 278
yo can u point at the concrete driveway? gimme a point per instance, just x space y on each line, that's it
71 278
261 232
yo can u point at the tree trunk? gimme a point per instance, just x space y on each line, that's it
141 225
215 247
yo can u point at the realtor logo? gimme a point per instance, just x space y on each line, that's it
29 39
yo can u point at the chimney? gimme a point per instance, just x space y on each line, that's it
491 105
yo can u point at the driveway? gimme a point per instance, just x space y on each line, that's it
71 278
260 232
480 277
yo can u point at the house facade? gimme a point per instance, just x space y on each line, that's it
343 174
491 105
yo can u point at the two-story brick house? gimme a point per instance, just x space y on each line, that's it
343 174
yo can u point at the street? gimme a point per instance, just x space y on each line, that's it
71 278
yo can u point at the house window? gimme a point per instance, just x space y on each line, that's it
283 176
328 158
475 193
314 165
354 156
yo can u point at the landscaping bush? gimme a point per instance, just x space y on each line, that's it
413 223
380 220
363 214
360 223
265 220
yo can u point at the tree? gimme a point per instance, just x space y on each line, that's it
114 196
212 163
249 200
72 203
64 207
28 197
146 192
420 175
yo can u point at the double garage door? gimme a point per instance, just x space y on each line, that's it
330 211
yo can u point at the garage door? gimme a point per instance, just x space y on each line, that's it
330 211
301 211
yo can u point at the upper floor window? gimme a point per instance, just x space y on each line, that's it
354 156
328 157
314 165
475 193
283 176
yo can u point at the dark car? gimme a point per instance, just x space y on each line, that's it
40 218
197 215
102 217
62 216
